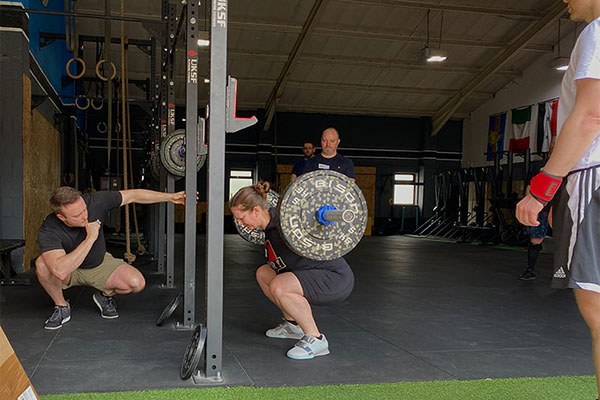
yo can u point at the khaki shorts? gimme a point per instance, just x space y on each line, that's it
95 277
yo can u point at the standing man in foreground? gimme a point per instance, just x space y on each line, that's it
309 151
74 250
329 157
573 171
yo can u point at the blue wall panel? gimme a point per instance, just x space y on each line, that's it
53 57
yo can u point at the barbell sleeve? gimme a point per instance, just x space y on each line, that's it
327 215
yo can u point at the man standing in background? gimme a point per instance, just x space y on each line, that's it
309 151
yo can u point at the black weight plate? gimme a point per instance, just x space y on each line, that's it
171 307
172 153
297 213
154 164
257 236
193 353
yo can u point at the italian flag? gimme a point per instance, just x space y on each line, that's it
521 129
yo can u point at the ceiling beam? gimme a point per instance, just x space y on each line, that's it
450 107
526 14
421 40
380 64
390 36
418 91
277 91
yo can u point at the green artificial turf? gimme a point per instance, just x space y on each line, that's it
563 388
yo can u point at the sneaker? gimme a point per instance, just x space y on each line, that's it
61 315
527 275
285 330
309 347
107 305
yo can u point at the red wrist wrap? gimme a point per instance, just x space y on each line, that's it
543 187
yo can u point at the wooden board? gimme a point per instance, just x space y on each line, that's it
41 171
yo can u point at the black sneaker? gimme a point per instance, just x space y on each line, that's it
107 305
527 275
61 315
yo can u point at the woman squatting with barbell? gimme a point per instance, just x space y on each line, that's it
292 282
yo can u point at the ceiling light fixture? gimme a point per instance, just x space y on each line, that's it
560 63
432 54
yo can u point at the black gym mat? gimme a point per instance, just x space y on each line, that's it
421 310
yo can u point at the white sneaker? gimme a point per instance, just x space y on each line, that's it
285 330
309 347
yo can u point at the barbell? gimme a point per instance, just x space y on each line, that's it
322 216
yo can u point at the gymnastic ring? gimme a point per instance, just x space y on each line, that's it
101 127
94 103
79 105
68 67
99 74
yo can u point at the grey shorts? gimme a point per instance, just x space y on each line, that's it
326 285
576 216
95 277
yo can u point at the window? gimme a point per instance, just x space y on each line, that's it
404 188
238 178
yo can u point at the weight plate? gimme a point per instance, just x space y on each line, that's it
171 307
172 153
257 236
154 164
193 353
298 209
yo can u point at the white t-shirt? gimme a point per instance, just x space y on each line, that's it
584 63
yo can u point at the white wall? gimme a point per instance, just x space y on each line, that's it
538 83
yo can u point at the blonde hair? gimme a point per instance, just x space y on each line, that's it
250 196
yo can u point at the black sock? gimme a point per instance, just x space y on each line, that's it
291 322
320 337
532 254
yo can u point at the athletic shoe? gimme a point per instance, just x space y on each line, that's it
309 347
107 305
61 315
527 275
285 330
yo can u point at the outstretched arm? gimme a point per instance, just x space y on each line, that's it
144 196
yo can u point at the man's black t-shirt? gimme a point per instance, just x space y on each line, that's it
337 163
298 168
55 235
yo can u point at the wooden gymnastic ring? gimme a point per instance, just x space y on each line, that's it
101 127
99 74
86 103
68 66
94 103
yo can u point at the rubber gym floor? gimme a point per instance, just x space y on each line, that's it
421 310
